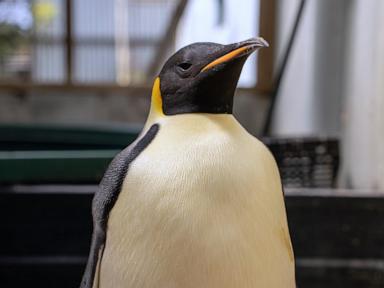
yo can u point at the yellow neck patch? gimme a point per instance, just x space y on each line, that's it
157 102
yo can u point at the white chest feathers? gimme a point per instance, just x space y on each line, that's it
201 206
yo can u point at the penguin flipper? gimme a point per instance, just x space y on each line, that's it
105 198
96 250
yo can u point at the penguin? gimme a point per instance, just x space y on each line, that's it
195 201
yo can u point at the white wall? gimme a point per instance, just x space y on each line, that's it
310 98
363 137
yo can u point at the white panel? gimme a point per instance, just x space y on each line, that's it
93 18
48 63
95 64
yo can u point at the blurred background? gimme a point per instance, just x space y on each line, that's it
75 85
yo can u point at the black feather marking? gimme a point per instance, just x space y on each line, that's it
106 196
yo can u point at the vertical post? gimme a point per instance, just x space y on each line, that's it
122 47
265 62
68 41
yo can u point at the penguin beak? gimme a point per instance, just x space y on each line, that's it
234 51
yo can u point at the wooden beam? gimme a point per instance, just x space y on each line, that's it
139 90
95 41
167 39
68 41
96 87
266 56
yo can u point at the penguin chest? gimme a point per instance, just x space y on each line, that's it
199 210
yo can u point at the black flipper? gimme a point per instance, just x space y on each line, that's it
106 197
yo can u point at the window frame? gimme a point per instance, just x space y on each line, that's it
264 66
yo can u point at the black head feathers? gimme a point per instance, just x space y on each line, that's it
202 77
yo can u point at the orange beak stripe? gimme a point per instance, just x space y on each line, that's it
225 58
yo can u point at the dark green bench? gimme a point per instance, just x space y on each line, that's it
59 154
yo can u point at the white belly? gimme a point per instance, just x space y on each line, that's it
202 206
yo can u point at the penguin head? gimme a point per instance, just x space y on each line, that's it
202 77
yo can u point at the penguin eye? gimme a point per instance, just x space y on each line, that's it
185 65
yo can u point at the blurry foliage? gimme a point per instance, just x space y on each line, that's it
12 38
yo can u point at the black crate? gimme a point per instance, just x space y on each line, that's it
306 162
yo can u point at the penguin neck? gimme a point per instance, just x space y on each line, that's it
157 115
